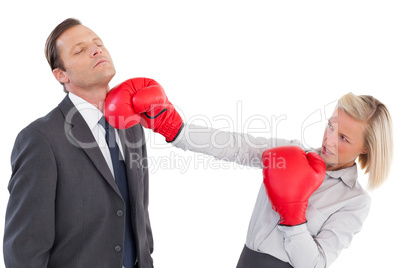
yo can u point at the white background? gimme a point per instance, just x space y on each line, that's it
221 59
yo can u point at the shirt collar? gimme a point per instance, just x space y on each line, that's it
89 112
347 175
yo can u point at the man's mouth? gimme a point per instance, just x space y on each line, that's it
100 62
325 151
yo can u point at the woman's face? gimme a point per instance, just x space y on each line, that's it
343 141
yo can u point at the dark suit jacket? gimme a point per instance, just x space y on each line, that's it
65 209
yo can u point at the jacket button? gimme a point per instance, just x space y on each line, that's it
120 213
117 248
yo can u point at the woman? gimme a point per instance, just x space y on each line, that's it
360 129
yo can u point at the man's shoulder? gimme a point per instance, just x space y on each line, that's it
46 124
46 121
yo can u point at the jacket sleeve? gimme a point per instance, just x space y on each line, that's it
240 148
305 250
30 216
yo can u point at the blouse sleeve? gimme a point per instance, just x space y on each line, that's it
240 148
305 250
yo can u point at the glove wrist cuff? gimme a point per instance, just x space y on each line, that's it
176 135
292 214
171 127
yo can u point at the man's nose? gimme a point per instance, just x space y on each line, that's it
96 51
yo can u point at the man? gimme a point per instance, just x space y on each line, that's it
68 205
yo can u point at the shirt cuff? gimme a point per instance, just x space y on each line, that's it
289 231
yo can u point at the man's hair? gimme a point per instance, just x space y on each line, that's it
51 53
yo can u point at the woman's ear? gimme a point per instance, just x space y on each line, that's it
365 151
60 75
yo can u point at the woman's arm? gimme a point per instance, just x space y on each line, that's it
305 250
240 148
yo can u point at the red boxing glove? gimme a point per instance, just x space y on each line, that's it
291 176
142 100
118 108
157 113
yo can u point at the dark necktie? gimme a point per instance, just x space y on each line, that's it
120 175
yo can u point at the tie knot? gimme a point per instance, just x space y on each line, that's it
110 135
104 123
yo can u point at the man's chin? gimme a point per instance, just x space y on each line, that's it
106 78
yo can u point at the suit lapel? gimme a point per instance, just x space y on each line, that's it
79 134
132 159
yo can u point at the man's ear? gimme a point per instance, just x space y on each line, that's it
60 75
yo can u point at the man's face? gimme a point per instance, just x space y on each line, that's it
87 62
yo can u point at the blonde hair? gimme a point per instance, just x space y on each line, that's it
378 137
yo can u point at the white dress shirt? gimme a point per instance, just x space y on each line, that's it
335 213
92 115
